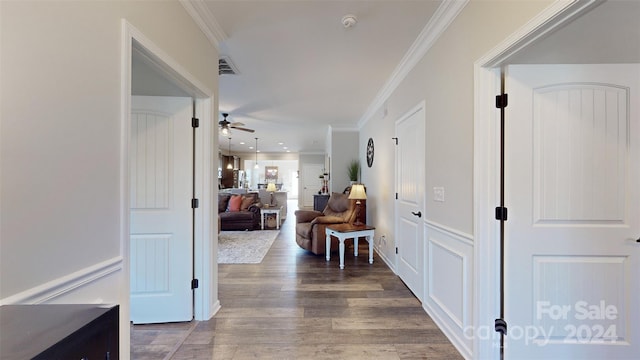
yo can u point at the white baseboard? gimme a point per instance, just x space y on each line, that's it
386 260
63 285
215 307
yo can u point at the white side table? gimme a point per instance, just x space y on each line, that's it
270 210
348 231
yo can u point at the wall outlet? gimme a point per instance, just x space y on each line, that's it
438 194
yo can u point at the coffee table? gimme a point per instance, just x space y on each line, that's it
270 210
348 231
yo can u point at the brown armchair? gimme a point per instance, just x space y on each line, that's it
311 225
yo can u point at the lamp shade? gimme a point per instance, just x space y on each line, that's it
357 192
271 187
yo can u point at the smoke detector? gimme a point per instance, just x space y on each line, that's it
349 21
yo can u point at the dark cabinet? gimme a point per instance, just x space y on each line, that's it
227 174
56 331
320 202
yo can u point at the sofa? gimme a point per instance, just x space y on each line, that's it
311 224
239 211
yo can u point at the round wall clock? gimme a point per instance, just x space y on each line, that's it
370 152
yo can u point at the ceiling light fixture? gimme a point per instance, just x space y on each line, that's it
349 21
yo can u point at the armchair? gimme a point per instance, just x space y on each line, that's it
311 225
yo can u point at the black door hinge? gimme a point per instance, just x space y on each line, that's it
501 326
501 213
396 196
195 122
194 284
396 249
501 101
194 203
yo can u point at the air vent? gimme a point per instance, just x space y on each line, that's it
226 67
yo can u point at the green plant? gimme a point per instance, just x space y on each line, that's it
353 170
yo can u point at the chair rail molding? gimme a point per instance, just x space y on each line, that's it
66 284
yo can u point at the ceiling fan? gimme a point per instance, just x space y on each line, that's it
226 126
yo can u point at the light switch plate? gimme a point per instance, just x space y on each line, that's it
438 194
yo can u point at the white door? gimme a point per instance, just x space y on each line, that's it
161 191
573 196
410 202
310 182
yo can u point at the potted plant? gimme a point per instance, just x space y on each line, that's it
353 170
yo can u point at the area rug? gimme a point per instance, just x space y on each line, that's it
244 247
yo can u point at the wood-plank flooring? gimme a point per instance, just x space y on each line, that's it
295 305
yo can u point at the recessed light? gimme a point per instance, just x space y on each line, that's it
250 147
284 147
280 143
241 142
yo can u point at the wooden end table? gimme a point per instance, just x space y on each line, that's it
270 210
348 231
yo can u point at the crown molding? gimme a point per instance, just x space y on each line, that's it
334 128
205 20
439 22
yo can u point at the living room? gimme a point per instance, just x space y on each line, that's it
65 193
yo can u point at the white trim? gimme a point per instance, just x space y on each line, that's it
65 284
450 325
461 235
486 160
439 22
333 128
550 19
202 16
420 108
205 270
391 265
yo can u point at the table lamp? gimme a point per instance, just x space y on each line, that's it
271 187
357 193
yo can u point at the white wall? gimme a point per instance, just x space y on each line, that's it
60 141
344 145
443 78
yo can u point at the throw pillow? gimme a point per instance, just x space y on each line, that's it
234 203
246 202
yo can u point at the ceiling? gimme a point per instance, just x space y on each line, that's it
300 70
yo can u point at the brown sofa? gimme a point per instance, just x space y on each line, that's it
311 225
247 217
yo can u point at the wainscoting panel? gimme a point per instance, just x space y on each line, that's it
449 283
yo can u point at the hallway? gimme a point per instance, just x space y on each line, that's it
295 305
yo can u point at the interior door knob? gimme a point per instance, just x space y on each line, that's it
638 240
419 214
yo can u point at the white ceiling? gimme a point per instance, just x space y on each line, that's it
301 71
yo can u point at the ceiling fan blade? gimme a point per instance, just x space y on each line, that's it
243 129
236 124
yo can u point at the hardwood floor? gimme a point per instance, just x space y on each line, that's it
295 305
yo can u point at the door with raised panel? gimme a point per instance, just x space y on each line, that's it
573 194
161 215
410 261
310 182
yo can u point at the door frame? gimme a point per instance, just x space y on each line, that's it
486 162
206 301
418 109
